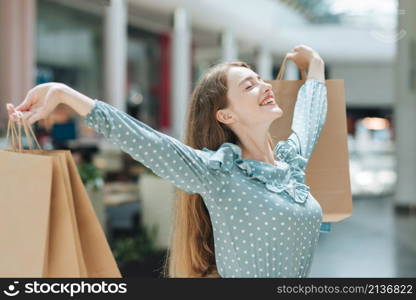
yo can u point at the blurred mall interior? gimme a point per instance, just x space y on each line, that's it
144 57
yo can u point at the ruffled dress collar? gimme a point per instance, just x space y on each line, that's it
286 177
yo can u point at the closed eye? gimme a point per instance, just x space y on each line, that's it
250 86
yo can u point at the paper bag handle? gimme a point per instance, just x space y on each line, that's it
283 69
11 130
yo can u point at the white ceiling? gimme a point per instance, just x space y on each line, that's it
274 25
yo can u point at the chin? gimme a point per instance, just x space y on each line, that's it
278 110
278 113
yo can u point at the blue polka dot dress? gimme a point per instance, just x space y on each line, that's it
266 223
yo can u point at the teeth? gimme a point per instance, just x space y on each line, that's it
270 100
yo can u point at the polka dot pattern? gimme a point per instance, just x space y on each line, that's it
309 116
166 156
257 232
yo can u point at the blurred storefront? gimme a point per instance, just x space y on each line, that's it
70 49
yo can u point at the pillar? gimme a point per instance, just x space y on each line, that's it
115 54
181 70
405 108
228 46
17 53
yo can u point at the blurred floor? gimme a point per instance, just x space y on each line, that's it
374 242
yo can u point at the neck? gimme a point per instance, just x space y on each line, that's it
255 145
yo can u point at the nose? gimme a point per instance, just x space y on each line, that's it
268 87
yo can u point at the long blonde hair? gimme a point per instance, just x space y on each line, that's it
191 250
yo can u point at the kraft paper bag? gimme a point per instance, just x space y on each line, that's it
327 172
48 227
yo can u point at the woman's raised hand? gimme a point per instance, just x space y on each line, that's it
39 102
302 56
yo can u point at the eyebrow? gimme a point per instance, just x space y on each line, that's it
247 78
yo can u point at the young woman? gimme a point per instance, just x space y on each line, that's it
243 209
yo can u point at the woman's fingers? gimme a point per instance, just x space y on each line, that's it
38 103
17 115
28 101
34 117
11 111
10 108
24 106
48 105
25 116
290 55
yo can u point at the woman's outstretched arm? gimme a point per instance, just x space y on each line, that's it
311 104
184 166
166 156
309 116
316 69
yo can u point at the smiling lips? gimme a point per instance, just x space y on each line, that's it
267 100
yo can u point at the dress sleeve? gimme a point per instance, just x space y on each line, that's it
166 156
309 116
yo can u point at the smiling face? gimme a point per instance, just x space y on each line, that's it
246 92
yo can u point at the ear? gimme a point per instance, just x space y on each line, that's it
224 116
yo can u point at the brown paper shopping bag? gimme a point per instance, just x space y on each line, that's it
48 227
327 172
